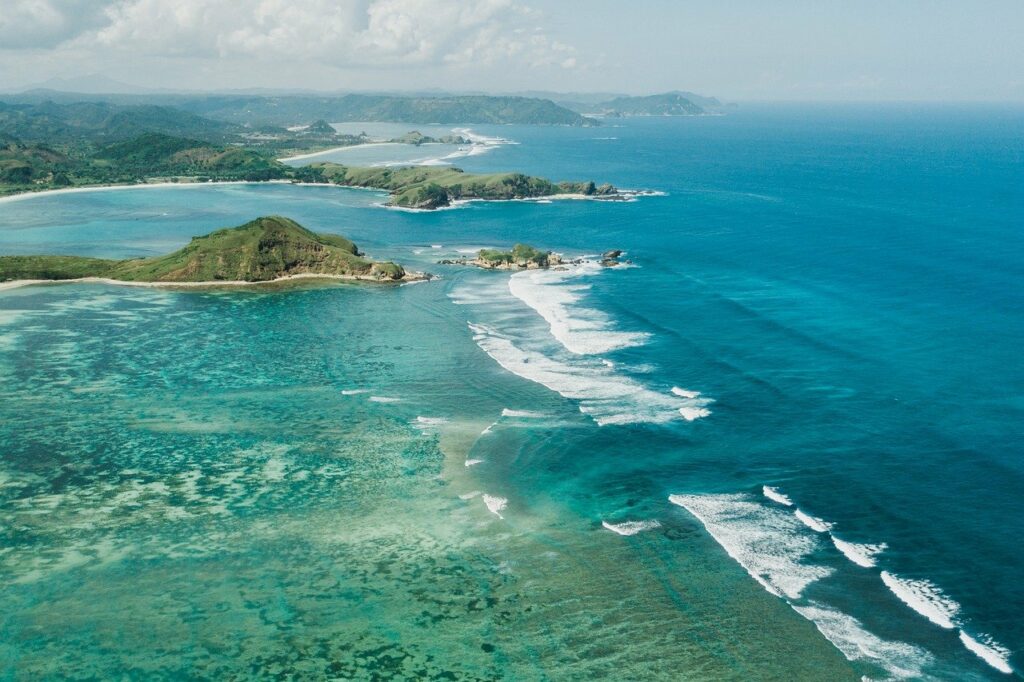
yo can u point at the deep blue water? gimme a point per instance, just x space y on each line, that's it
845 282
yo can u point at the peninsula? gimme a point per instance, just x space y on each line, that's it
266 249
432 187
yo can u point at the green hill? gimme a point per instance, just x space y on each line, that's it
102 122
430 187
21 164
156 153
265 249
668 104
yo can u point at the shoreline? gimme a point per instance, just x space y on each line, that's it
299 157
18 283
20 196
626 195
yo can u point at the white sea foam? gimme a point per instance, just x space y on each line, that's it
924 597
631 527
582 330
605 396
768 542
383 399
860 554
353 391
477 138
429 422
478 144
692 413
813 522
899 659
495 504
437 246
774 495
683 393
470 495
523 414
473 462
990 651
607 392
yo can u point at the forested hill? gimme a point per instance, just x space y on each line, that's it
53 122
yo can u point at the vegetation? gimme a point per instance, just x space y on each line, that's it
102 122
417 138
429 187
31 166
319 127
521 255
47 145
165 155
666 104
53 267
254 110
265 249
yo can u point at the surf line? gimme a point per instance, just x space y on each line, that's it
920 595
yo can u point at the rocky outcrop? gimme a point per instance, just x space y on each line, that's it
611 258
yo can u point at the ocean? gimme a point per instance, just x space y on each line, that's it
782 443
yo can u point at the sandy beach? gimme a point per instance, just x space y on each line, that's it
311 155
14 284
150 185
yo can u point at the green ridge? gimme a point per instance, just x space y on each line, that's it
429 187
264 249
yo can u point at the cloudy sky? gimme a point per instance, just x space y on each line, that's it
737 49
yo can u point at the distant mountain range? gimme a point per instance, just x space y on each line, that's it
288 110
421 110
257 107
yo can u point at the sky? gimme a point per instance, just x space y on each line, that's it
738 50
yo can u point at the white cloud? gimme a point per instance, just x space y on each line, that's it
46 23
333 32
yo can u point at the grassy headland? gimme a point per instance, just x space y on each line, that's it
262 250
431 187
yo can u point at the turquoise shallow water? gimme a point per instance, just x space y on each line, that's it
255 484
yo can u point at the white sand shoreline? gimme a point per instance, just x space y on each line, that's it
183 184
17 283
625 195
141 185
311 155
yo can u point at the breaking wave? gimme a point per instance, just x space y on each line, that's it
925 597
555 295
770 544
898 659
631 527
